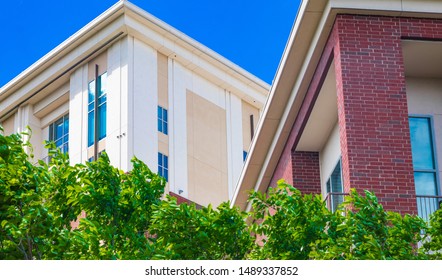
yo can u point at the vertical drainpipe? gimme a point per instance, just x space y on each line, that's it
96 114
252 127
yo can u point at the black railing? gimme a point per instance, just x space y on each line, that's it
333 199
427 205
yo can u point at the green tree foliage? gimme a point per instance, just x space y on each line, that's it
301 227
183 232
125 216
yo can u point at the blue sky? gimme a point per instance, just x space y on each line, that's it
250 33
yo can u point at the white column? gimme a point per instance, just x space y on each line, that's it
144 137
25 118
113 126
126 87
234 140
178 177
78 116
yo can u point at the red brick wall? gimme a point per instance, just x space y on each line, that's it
284 170
372 109
306 175
372 105
181 200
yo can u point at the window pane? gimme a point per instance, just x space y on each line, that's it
160 127
103 83
421 143
425 183
165 115
165 162
91 90
66 124
90 128
51 132
59 130
335 179
102 121
160 159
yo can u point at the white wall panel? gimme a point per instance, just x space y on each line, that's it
145 100
234 132
76 114
178 177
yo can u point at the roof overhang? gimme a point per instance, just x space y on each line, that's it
302 53
124 18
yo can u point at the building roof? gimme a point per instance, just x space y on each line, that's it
124 18
306 42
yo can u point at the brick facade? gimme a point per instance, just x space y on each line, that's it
284 170
306 174
372 108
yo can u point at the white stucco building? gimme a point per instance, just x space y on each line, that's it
161 96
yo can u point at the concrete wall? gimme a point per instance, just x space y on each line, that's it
329 157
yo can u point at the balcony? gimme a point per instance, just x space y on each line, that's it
427 205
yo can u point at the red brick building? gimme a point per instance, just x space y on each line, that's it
356 103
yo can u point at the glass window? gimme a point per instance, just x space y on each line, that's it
102 110
422 151
424 165
59 133
163 166
162 120
335 187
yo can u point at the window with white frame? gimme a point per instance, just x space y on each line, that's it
162 120
163 166
59 133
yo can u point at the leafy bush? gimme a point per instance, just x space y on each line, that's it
122 216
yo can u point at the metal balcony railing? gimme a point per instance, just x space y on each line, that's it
427 205
333 199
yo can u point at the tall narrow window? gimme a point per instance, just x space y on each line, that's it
162 120
335 187
424 165
59 133
102 98
163 166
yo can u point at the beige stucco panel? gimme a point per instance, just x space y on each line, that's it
101 61
207 151
162 80
8 125
247 111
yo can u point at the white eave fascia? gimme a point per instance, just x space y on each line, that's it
76 39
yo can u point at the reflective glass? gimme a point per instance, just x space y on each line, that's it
425 183
421 143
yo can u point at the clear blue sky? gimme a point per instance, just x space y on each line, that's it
251 33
